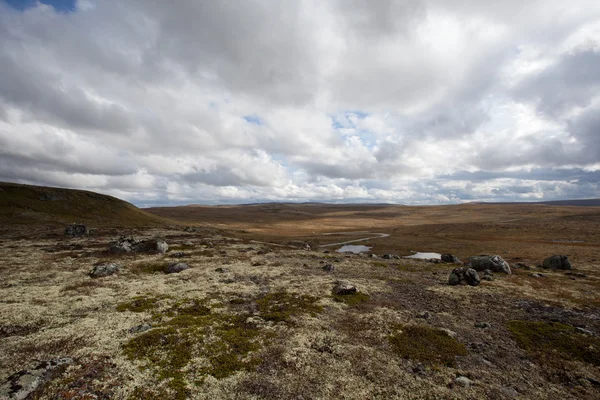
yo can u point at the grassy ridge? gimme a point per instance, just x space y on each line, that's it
39 205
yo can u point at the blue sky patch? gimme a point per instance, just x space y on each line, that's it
59 5
253 119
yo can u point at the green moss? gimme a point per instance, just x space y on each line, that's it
426 344
351 299
282 306
551 340
226 341
139 304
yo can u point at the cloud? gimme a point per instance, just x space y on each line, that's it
395 101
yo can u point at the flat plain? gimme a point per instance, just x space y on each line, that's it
255 315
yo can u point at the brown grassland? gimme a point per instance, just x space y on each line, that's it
254 317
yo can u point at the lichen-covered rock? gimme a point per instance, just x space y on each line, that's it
104 269
449 258
494 263
557 262
176 268
464 276
344 288
21 385
77 230
124 244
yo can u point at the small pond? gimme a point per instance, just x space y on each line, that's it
350 248
425 256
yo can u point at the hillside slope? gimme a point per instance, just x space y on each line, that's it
38 205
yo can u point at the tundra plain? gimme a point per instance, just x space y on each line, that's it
255 315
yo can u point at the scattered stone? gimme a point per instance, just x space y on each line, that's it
521 266
463 381
344 288
176 268
140 328
419 369
462 275
257 263
77 230
21 385
328 267
584 331
450 333
189 244
449 258
557 262
424 315
372 255
390 257
104 269
300 244
326 252
483 325
509 392
494 263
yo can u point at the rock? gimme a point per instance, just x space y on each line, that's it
176 268
140 328
449 258
326 252
328 267
128 244
521 266
424 315
222 270
343 288
488 275
189 244
77 230
104 269
576 274
557 262
463 381
462 275
483 325
180 254
494 263
584 331
300 244
21 385
448 332
390 257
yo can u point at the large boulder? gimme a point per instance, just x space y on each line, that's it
104 269
449 258
77 230
557 262
494 263
343 288
464 276
128 244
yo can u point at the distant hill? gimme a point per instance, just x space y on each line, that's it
577 203
38 205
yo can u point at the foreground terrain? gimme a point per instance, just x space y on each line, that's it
255 317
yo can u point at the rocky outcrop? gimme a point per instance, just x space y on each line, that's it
449 258
493 263
464 276
77 230
104 269
128 244
557 262
21 385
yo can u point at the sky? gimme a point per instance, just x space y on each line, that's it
241 101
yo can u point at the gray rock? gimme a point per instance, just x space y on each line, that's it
488 275
21 385
140 328
189 244
128 244
300 244
521 266
537 275
124 244
344 288
584 331
463 381
104 269
222 270
424 315
390 257
463 276
77 230
494 263
557 262
448 332
176 268
483 325
449 258
180 254
328 267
